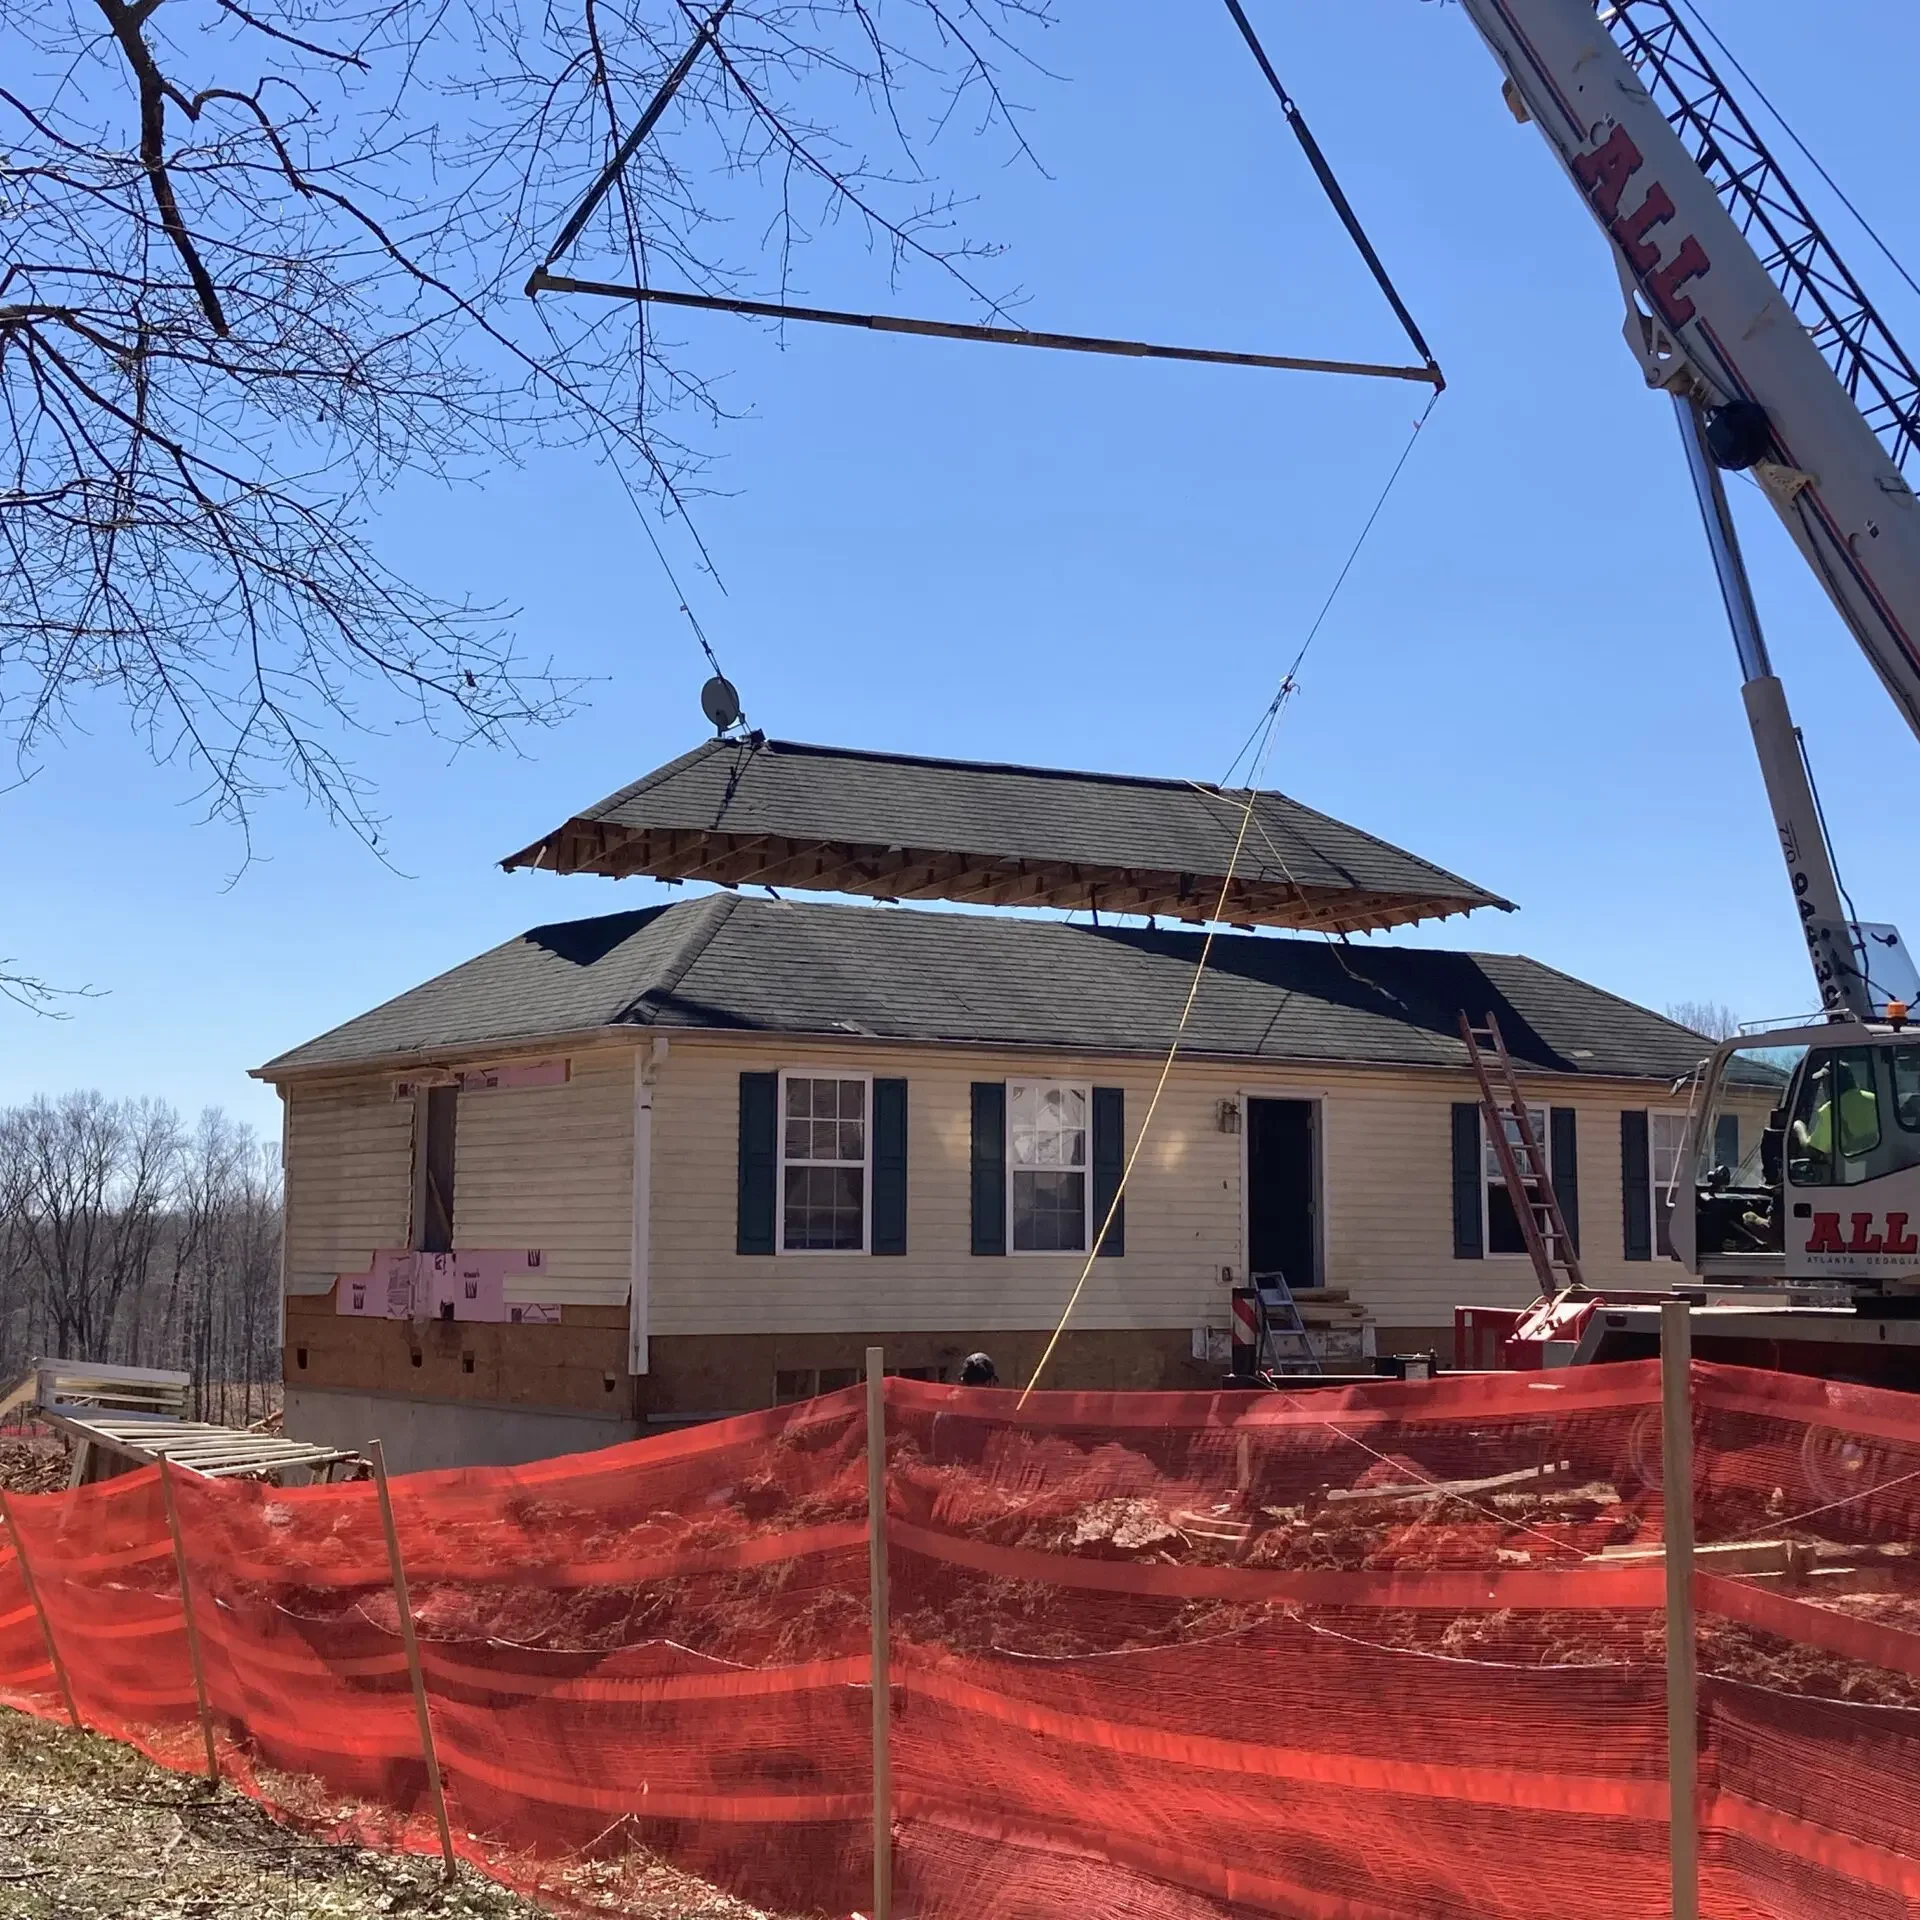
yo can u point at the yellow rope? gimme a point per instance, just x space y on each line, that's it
1270 722
1146 1125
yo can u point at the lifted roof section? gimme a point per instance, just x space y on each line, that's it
759 812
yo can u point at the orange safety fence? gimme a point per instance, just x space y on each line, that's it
1392 1652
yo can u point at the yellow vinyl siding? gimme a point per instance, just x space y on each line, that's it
1183 1211
552 1168
349 1178
1386 1198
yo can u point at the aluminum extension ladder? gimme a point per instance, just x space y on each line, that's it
1279 1319
1523 1160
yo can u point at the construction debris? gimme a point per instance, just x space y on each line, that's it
122 1417
30 1464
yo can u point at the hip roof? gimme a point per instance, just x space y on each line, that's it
780 813
730 964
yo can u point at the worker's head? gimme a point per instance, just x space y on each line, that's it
977 1370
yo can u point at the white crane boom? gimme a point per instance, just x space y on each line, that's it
1732 327
1769 361
1778 365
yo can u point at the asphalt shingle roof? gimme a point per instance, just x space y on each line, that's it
900 974
899 825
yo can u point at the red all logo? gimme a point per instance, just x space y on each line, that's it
1604 174
1826 1236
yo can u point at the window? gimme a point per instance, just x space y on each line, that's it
791 1384
1837 1079
823 1164
1501 1222
1905 1062
1666 1133
1047 1166
1854 1120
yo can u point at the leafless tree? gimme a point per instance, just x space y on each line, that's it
263 260
221 1316
124 1237
1706 1017
94 1181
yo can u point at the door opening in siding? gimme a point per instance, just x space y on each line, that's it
438 1111
1282 1191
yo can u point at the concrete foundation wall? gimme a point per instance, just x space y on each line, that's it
421 1434
734 1373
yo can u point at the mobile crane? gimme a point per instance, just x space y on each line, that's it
1778 366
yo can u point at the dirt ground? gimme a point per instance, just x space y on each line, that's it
90 1830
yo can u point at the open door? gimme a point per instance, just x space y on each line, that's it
1283 1227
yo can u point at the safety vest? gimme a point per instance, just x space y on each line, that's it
1859 1124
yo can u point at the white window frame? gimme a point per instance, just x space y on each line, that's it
1660 1193
1088 1228
781 1163
1541 1119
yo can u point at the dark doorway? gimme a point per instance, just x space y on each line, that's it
1282 1234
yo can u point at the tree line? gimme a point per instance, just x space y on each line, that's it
127 1235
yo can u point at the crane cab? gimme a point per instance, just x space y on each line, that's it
1826 1188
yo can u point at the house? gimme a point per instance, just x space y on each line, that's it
650 1167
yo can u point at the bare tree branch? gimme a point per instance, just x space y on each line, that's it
260 265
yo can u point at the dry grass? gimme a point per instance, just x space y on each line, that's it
89 1829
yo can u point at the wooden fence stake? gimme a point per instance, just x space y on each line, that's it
411 1641
33 1593
1683 1680
193 1630
881 1674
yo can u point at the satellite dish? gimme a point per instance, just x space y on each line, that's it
720 703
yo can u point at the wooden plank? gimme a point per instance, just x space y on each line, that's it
880 1676
1453 1489
88 1370
318 1458
411 1641
193 1630
1683 1683
1738 1556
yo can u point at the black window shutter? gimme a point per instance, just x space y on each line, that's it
1468 1241
759 1160
889 1166
1109 1166
1726 1140
1564 1152
989 1166
1636 1187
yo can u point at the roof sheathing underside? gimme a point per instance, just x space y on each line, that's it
890 827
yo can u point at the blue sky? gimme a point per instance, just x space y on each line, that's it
965 551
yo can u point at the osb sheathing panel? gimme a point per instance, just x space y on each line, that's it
564 1367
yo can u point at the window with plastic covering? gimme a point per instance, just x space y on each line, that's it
1048 1161
1666 1135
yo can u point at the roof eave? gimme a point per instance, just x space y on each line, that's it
449 1052
891 873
